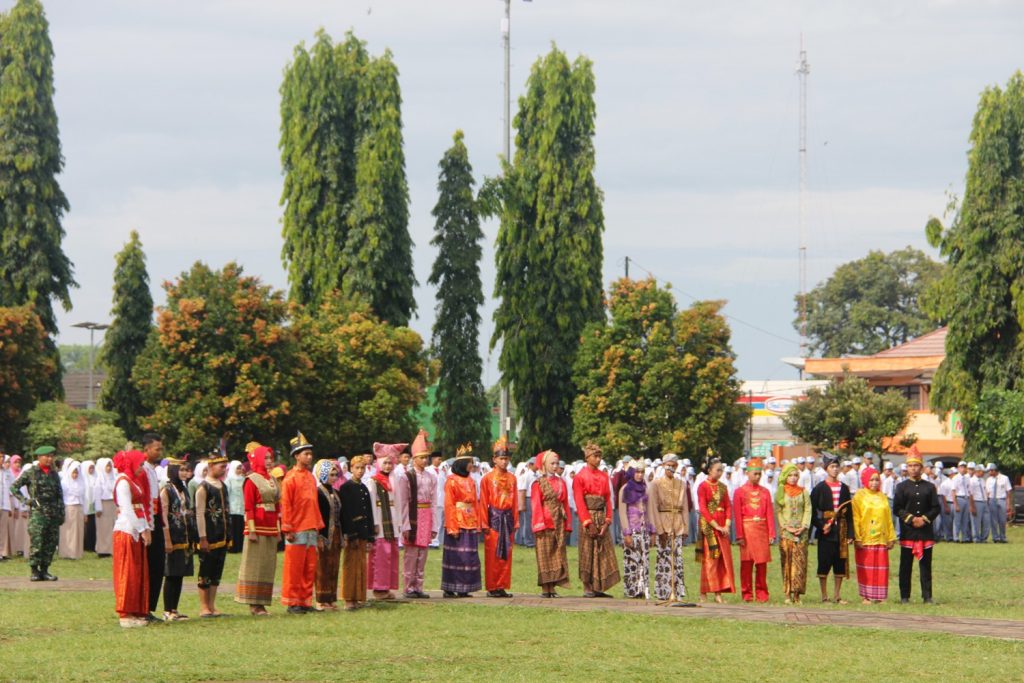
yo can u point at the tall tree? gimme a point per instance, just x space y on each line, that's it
871 304
27 369
345 198
462 413
849 415
124 341
984 284
653 380
378 253
221 362
33 266
549 252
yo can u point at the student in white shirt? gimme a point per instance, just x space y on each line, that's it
1000 501
979 504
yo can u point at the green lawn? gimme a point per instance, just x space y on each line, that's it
62 636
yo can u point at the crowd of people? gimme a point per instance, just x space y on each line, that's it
349 526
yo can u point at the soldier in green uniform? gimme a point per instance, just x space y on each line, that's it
46 500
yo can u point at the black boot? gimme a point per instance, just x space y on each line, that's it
35 574
44 574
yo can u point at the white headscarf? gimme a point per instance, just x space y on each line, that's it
69 484
104 487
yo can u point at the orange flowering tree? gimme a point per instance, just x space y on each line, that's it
358 378
220 363
653 379
27 370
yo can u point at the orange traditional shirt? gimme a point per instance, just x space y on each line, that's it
461 507
498 491
300 506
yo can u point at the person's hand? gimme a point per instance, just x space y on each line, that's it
628 541
771 539
204 545
857 544
98 514
742 542
918 522
146 538
168 546
973 512
289 537
321 543
889 545
253 538
827 529
433 535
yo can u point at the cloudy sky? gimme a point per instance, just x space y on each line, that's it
169 123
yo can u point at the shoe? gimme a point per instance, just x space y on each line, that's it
547 595
929 601
132 622
464 595
599 594
450 594
294 609
904 601
495 594
420 595
506 594
150 619
410 595
36 576
590 594
45 575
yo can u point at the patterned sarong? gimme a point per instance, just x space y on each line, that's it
598 566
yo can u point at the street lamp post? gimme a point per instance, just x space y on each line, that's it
92 327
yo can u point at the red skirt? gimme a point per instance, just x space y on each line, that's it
873 572
131 576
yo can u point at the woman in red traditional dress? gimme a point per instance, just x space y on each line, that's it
714 552
131 536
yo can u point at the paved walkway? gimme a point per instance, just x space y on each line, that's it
964 626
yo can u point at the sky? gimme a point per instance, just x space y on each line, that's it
169 120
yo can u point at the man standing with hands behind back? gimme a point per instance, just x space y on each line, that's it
917 506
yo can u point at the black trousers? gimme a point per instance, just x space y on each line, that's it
89 542
156 559
907 571
172 592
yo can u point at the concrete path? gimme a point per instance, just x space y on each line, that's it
991 628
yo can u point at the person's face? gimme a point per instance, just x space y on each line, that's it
45 460
154 452
91 470
74 474
638 474
793 478
754 477
358 471
594 459
268 461
404 458
833 470
304 458
875 482
108 468
551 463
333 476
435 460
501 463
419 462
185 473
216 470
962 469
715 473
914 470
670 469
386 466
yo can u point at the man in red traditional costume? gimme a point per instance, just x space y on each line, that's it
755 532
301 523
499 507
591 489
416 491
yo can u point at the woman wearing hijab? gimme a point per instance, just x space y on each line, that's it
89 507
793 510
714 552
19 513
328 556
106 511
72 531
874 536
382 561
179 536
636 532
460 555
235 481
259 550
552 523
357 527
131 536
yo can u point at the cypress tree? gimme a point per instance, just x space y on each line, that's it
33 266
462 414
549 251
132 323
345 198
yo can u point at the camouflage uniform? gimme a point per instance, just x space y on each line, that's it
46 500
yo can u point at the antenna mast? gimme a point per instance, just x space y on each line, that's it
803 70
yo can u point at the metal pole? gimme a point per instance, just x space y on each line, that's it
802 72
92 332
506 27
627 267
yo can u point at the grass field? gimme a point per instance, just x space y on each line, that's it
62 636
